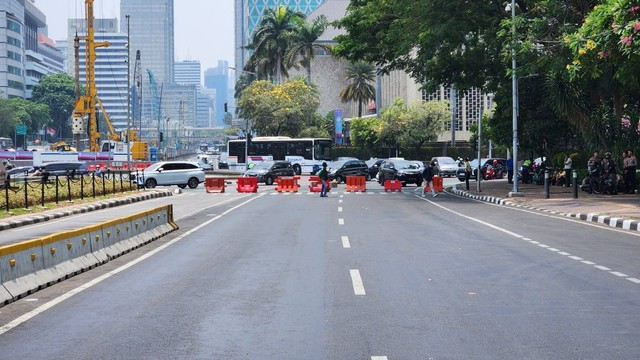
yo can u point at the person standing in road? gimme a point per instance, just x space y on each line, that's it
567 170
323 175
509 171
427 178
630 165
467 172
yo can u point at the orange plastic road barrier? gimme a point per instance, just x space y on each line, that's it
315 185
247 184
214 185
356 183
437 184
392 185
287 184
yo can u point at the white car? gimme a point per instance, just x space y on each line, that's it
181 173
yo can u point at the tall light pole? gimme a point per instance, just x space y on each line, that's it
128 96
514 94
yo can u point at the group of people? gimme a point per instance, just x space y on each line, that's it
606 167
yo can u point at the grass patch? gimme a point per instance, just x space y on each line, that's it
69 192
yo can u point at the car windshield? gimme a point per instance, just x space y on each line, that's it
336 164
154 167
402 165
446 160
371 162
265 165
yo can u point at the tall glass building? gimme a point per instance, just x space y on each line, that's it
151 31
248 14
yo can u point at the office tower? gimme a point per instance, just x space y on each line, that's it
187 72
53 58
218 78
12 14
247 17
151 31
110 68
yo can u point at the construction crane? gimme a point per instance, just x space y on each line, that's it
85 105
157 102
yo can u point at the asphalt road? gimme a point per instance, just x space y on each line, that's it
353 276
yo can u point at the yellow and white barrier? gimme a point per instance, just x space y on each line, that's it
28 266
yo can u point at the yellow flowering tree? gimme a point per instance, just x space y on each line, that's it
278 109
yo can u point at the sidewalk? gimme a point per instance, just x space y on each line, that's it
621 210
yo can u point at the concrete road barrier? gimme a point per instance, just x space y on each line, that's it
31 265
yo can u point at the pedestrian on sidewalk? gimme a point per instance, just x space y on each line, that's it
467 171
509 171
630 165
323 175
427 178
567 170
526 167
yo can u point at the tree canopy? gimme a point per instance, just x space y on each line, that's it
278 109
58 92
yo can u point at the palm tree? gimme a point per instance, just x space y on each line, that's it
360 75
304 43
273 36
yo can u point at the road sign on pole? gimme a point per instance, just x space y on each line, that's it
21 129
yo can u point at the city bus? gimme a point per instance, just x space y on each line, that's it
303 153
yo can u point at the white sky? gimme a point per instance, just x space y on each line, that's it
203 28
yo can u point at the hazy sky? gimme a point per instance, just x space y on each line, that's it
203 28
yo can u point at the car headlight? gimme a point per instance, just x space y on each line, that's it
400 173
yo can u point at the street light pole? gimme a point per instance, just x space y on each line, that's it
514 94
128 96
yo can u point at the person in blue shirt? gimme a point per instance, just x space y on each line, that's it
510 170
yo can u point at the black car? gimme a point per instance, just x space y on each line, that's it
483 170
405 171
339 170
66 168
374 166
268 171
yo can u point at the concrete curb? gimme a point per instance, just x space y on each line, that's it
617 222
38 218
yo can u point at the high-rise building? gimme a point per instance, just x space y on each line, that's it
110 68
218 78
12 37
187 72
247 17
151 30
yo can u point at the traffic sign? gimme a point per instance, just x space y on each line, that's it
21 129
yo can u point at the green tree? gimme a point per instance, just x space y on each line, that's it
423 122
58 92
17 111
8 118
360 89
304 44
393 122
365 133
278 109
272 39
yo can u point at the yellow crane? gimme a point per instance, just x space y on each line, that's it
85 105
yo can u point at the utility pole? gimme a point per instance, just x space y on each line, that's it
128 95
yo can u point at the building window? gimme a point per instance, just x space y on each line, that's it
14 26
13 41
15 84
14 56
14 70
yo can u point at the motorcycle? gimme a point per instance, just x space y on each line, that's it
493 173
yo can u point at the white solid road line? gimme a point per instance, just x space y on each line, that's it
345 242
31 314
358 287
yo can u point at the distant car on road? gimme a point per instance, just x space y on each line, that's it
407 172
339 170
374 166
445 166
181 173
268 171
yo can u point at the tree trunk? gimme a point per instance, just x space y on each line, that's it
359 108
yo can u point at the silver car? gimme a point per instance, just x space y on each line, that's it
181 173
446 166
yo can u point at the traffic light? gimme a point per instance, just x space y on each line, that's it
226 108
161 136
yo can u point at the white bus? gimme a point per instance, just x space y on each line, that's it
303 153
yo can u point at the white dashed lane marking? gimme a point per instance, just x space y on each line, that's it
356 280
345 242
340 221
